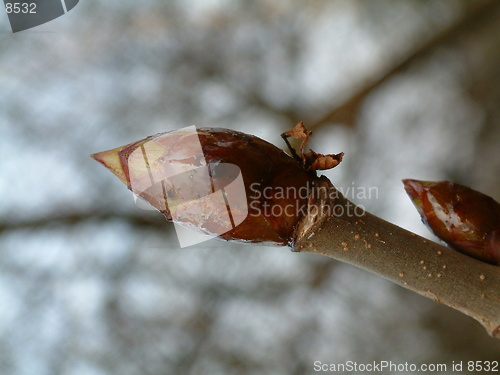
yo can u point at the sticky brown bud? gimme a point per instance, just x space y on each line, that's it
276 185
465 219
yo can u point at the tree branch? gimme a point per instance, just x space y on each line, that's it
331 225
335 227
139 219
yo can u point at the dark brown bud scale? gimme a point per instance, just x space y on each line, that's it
465 219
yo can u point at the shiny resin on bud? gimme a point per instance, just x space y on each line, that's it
467 220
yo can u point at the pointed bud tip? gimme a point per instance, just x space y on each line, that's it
111 160
414 188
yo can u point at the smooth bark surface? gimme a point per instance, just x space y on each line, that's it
336 229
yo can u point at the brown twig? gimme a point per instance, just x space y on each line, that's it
335 227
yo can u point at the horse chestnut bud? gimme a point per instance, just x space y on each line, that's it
220 182
467 220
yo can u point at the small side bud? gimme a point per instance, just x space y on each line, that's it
467 220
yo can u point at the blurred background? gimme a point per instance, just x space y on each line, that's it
91 285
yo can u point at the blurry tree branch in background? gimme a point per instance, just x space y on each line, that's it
347 111
139 219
